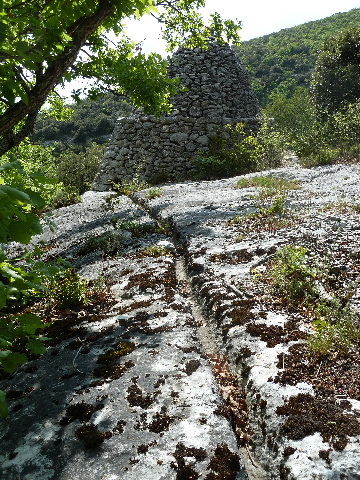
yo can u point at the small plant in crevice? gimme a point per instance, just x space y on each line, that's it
153 192
342 206
267 182
128 187
68 289
137 228
301 280
155 251
291 274
269 218
109 243
336 327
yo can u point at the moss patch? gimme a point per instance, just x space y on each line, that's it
185 471
79 411
137 398
225 465
91 436
119 350
307 415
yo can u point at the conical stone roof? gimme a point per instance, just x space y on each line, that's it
217 84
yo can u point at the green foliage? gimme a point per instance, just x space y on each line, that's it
335 82
19 286
67 289
38 170
268 182
345 125
78 170
138 229
154 192
127 187
282 61
315 140
110 243
236 151
299 278
57 109
58 180
185 26
18 206
92 120
156 251
21 280
294 117
291 274
269 218
68 195
336 327
22 329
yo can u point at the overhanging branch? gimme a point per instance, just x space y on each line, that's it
46 81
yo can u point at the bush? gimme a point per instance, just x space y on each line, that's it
236 151
291 274
21 280
78 170
315 140
67 289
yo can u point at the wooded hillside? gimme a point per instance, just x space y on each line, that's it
284 60
92 121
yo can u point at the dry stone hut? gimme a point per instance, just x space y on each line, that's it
218 93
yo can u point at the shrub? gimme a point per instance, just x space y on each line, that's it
20 279
235 151
155 251
336 327
335 81
38 170
291 274
68 289
127 187
78 170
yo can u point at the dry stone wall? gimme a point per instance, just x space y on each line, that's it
217 92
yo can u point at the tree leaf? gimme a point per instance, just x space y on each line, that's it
30 322
36 346
12 361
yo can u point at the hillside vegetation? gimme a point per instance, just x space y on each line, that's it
91 121
286 59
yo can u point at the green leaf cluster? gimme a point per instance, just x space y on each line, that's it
21 279
236 151
18 218
293 275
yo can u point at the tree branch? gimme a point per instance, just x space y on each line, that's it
13 139
46 81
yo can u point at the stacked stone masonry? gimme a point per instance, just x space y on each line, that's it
217 93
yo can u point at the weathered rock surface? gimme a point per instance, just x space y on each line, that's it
220 260
128 393
161 409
